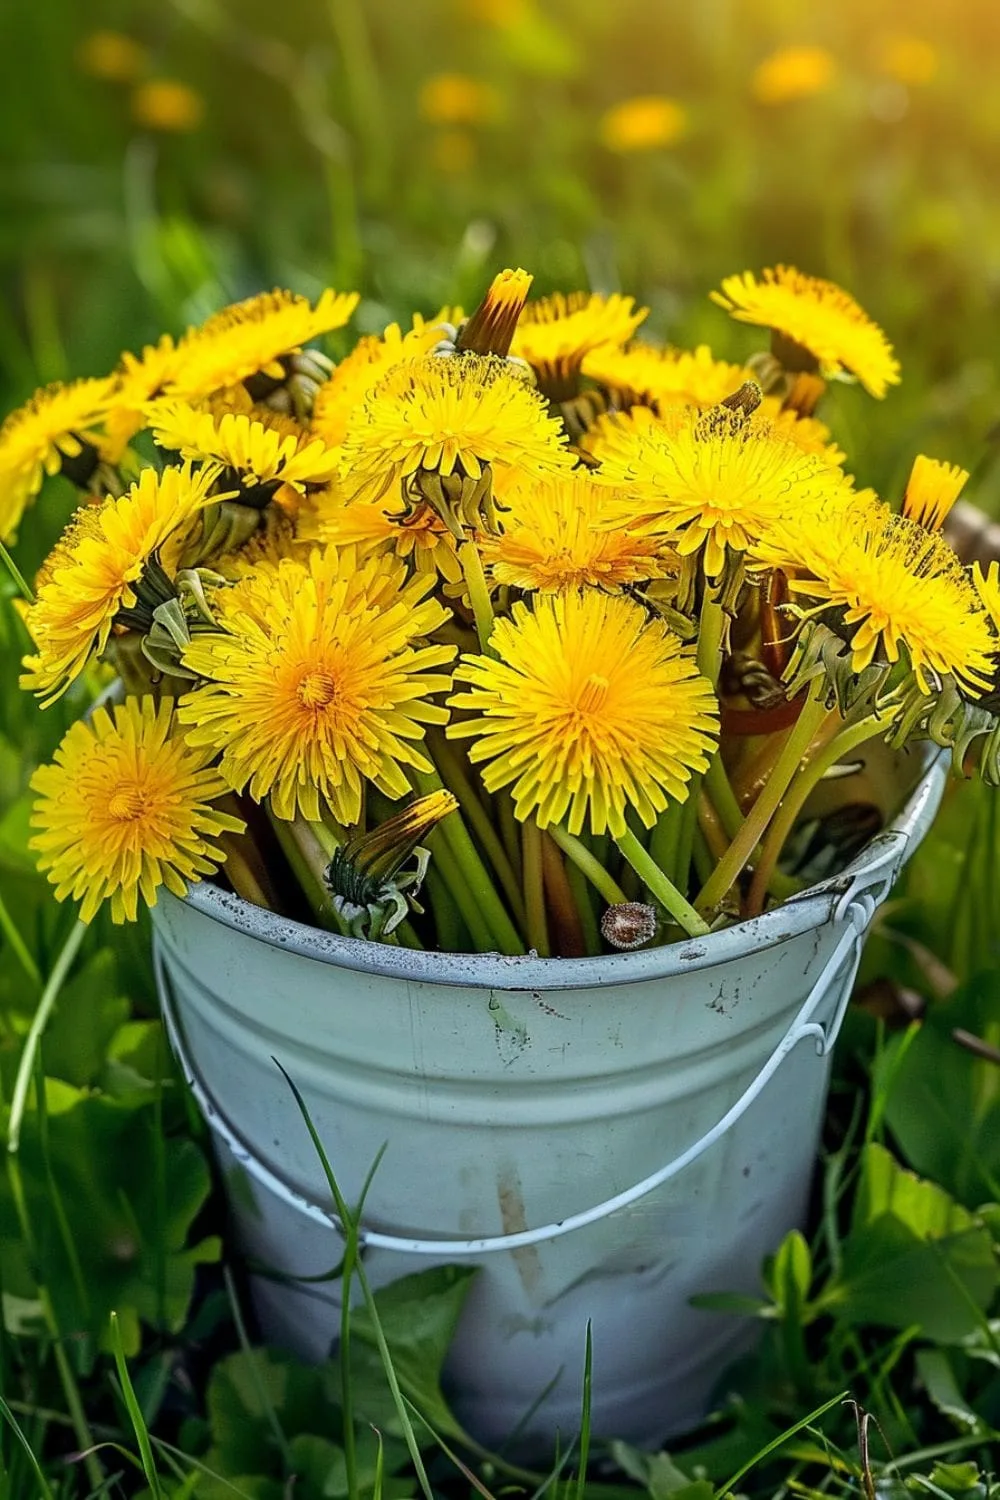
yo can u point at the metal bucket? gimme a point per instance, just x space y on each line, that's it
604 1137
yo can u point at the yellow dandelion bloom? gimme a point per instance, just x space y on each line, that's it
900 588
642 124
258 452
807 433
96 568
793 73
449 415
253 338
111 55
137 380
126 808
818 317
931 490
557 535
167 104
909 59
591 709
647 375
457 99
359 372
555 334
56 430
422 539
715 478
318 682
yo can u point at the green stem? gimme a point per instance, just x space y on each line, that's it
708 654
20 947
584 905
534 889
479 592
666 839
588 866
347 21
842 744
21 583
454 777
757 819
455 837
40 1020
304 845
664 890
719 789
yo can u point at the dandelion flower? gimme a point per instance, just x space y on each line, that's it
359 372
491 327
255 338
317 682
816 317
807 433
168 105
589 710
899 587
421 539
56 430
556 536
138 379
457 99
111 56
555 335
931 490
126 808
645 375
909 59
457 415
793 73
97 567
642 124
260 453
716 478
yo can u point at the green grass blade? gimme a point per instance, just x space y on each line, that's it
775 1443
40 1020
588 1368
44 1489
135 1412
349 1223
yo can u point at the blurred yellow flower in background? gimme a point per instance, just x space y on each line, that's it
643 123
457 99
111 55
793 73
909 59
167 104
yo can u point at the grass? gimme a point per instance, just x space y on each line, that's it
125 1367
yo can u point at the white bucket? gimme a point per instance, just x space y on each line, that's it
605 1137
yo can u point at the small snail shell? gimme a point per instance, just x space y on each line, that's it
629 924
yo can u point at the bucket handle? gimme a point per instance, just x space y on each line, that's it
855 909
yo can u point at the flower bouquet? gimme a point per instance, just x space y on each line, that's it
506 633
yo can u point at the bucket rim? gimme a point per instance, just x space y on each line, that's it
807 911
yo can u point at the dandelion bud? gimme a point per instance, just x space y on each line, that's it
629 924
490 330
746 400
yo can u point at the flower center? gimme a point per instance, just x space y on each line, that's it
126 804
317 689
593 694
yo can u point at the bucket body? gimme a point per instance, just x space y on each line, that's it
604 1137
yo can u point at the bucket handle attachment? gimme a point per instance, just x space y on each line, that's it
855 908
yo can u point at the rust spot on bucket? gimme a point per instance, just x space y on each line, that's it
512 1217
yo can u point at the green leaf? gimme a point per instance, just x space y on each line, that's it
959 1479
659 1475
129 1201
934 1366
419 1315
789 1275
943 1103
913 1258
88 1013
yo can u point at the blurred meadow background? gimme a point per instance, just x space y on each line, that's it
164 157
